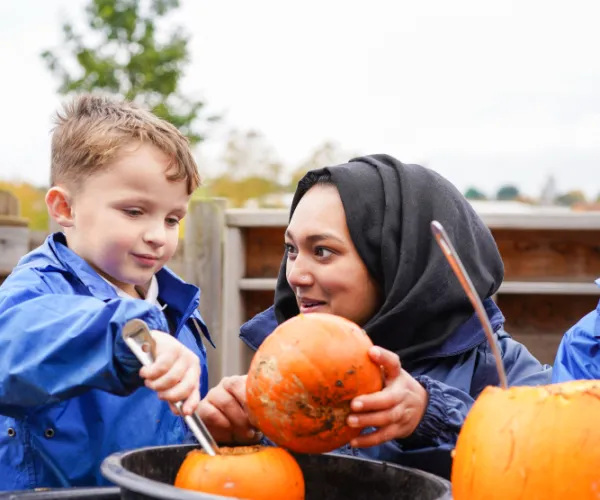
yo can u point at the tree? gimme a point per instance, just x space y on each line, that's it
252 170
130 57
475 194
571 198
248 154
326 154
507 192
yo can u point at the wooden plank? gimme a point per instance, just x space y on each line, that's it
203 267
261 217
569 221
542 345
9 204
549 288
544 313
233 351
14 242
549 255
256 302
264 251
512 287
258 284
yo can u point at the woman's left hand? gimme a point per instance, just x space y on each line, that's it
396 410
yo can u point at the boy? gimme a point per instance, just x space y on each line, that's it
71 391
577 357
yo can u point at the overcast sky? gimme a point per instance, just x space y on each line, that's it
486 92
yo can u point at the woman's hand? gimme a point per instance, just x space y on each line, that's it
395 411
223 410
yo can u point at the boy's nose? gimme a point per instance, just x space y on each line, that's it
155 235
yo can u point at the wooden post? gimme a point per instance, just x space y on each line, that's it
234 354
14 233
203 267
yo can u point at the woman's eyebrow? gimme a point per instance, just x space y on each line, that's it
315 238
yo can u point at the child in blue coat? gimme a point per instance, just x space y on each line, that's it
578 352
71 392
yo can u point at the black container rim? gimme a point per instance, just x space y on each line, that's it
78 492
113 470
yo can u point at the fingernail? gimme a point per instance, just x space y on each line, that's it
357 405
377 351
353 443
352 421
251 434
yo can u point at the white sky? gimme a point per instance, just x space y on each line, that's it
486 92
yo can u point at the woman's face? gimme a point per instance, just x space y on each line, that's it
323 267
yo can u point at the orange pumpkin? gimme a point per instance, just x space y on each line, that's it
249 472
304 376
530 442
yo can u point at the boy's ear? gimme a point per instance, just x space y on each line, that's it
58 202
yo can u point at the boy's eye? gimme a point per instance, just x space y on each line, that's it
132 212
172 221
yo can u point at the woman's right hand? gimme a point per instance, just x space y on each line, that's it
223 410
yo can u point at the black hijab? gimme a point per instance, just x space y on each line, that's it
389 207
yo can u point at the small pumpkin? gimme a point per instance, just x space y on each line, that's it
530 442
249 472
304 376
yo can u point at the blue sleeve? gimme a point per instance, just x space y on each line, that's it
577 357
56 346
448 406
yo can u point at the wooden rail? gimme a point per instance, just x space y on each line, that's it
551 261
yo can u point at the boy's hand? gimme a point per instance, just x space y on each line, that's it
223 410
175 373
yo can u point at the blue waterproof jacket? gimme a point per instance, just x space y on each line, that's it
70 393
453 375
578 355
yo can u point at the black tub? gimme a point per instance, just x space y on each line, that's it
99 493
149 473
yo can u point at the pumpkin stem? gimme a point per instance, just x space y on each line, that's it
459 270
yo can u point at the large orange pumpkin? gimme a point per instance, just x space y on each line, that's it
530 442
249 472
304 376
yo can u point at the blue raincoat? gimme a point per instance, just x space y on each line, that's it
578 355
70 393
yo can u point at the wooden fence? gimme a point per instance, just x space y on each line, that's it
551 262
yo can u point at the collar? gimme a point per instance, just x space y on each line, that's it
181 297
150 295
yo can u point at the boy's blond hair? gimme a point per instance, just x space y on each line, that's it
92 129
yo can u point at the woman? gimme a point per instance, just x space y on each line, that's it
359 245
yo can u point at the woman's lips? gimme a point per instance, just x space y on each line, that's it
309 306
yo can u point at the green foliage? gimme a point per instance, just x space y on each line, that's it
126 54
475 194
571 198
507 193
